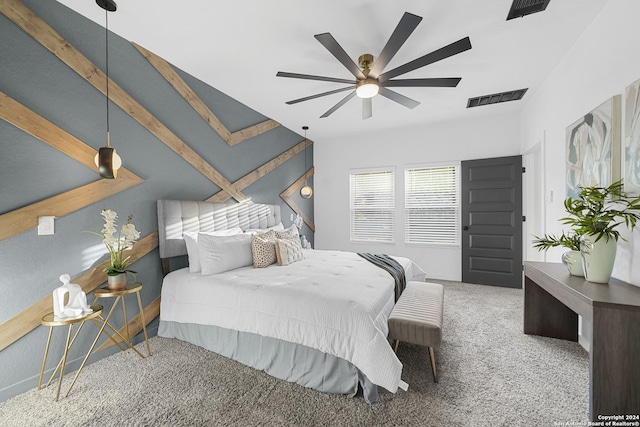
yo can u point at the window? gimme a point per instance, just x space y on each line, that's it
372 206
432 205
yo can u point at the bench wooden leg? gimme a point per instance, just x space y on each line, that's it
433 364
395 348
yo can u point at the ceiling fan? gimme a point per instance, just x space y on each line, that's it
369 78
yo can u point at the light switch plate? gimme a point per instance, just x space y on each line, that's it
45 225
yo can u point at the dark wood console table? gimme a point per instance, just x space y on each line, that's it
553 299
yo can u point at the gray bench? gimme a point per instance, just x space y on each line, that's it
417 318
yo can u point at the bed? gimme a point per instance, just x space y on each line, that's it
320 321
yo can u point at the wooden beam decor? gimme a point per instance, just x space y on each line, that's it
42 32
28 319
256 174
21 220
292 189
135 324
174 79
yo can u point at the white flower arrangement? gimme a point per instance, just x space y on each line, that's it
117 244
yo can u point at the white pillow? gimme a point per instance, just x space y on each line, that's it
223 253
288 251
191 239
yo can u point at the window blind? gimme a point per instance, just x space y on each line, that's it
432 205
372 206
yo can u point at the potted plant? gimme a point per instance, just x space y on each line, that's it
117 268
571 259
595 216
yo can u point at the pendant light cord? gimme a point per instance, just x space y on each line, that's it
106 19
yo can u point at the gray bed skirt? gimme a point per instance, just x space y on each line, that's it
280 359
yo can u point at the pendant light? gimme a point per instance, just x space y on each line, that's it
306 192
107 160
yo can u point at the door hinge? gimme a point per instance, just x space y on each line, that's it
524 169
524 218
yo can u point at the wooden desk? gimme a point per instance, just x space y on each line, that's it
553 299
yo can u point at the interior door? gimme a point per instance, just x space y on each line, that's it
492 221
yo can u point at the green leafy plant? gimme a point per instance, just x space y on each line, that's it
547 241
598 211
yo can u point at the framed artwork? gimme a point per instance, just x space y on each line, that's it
632 138
593 148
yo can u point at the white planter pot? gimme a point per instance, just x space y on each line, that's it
573 261
598 258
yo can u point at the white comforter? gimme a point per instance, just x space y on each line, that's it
332 301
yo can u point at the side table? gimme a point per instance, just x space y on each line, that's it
131 288
52 321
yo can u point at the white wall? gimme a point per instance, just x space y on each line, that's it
601 64
495 136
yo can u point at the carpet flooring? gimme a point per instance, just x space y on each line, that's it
490 374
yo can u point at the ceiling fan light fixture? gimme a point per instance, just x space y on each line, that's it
367 88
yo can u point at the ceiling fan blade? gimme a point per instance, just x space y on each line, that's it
307 98
367 110
400 99
338 105
405 27
433 82
311 77
437 55
336 50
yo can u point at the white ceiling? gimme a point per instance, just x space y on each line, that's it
238 46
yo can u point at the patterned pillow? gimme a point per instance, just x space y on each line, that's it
263 248
289 233
288 251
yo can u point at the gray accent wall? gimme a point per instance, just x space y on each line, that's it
31 170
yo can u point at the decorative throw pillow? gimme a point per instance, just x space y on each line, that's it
191 240
223 253
277 227
288 251
263 248
289 233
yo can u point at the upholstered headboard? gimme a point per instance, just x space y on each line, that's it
178 216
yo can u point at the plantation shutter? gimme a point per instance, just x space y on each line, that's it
372 206
432 205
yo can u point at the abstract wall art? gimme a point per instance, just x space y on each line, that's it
632 138
593 148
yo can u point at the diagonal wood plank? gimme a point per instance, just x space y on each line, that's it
252 131
42 32
28 319
286 196
255 175
174 79
135 324
21 220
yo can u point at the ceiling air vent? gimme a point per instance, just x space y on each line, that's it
521 8
495 98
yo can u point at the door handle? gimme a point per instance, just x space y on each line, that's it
465 228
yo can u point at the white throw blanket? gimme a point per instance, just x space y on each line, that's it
332 301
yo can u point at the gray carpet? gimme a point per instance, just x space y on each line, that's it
491 374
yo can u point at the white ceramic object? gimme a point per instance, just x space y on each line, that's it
77 300
573 261
598 258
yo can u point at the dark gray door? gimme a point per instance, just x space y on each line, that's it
492 221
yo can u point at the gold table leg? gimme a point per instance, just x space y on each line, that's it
127 340
84 361
44 359
64 361
60 362
144 324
